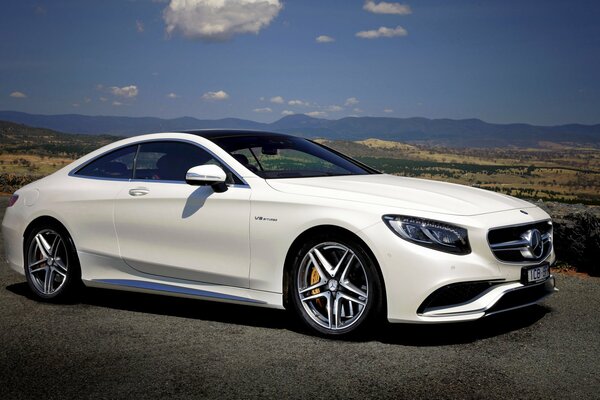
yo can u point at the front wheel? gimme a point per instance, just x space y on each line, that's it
51 264
336 288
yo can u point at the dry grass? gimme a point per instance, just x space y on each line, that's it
553 172
24 164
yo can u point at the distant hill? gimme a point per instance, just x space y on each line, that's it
22 139
444 132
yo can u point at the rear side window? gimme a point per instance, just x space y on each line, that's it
114 165
169 161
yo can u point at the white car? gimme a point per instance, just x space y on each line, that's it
277 221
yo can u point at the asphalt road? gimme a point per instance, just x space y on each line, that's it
119 345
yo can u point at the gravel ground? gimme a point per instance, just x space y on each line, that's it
120 345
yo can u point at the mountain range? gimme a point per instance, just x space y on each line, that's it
444 132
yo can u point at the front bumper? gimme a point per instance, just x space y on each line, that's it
412 273
498 298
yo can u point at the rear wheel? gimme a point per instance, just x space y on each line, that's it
336 289
51 264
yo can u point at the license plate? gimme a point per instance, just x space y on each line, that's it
536 274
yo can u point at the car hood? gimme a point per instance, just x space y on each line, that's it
402 192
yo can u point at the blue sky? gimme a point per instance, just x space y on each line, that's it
502 61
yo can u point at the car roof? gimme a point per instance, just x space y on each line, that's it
225 133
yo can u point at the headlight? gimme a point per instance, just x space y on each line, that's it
433 234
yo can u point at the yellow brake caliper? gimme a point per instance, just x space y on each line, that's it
314 279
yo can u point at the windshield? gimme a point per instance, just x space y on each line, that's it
280 156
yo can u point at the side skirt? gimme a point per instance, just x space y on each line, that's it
255 298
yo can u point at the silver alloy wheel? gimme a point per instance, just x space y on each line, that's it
47 262
333 285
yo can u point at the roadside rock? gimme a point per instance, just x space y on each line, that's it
576 234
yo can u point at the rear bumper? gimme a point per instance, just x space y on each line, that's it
13 242
496 299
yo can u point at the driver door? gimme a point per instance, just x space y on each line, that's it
168 228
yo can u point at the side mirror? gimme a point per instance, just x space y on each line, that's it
207 175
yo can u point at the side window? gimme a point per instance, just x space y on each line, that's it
115 165
169 161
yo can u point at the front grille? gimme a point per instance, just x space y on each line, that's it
522 243
455 294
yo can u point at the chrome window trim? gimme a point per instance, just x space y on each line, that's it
173 182
73 172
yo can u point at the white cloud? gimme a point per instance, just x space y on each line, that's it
387 8
287 112
316 114
324 39
388 110
103 99
217 20
215 96
18 95
263 110
117 103
382 32
358 110
125 91
334 108
172 95
75 105
87 100
139 26
277 100
298 103
351 101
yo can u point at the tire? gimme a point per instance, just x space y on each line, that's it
51 264
335 287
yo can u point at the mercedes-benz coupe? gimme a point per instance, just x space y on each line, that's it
277 221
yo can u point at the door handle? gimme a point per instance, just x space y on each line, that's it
141 191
